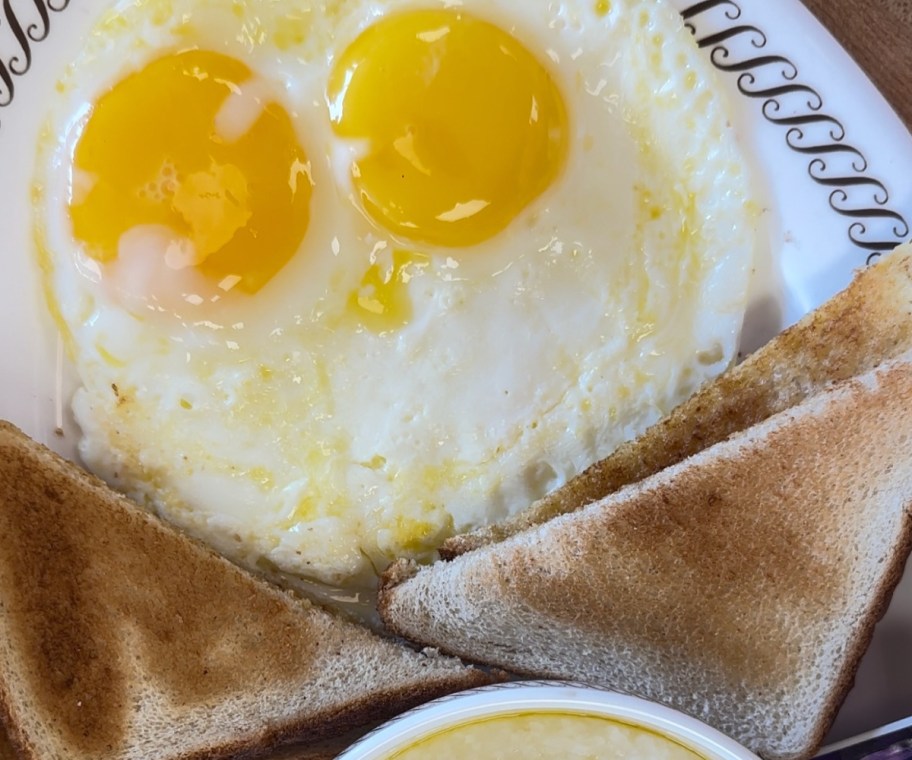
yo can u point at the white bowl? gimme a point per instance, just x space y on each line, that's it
516 697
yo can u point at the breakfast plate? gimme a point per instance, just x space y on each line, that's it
830 155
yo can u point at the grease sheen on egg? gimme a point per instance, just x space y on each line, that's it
316 367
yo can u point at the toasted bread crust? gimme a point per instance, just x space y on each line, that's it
881 597
869 322
121 637
735 585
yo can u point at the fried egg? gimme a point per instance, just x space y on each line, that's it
341 279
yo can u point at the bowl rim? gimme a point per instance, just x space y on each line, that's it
493 700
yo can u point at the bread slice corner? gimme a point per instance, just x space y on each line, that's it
123 638
741 585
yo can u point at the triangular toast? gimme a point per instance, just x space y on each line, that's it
122 638
741 585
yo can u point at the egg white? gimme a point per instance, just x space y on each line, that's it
282 431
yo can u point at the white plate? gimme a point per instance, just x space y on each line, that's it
835 157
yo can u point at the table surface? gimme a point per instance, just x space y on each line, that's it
878 34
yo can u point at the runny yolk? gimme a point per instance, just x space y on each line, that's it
382 303
190 155
462 126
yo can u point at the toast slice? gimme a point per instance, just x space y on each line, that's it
741 585
868 322
122 638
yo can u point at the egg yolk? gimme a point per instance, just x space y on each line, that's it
191 150
462 126
382 301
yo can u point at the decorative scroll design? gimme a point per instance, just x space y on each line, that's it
741 49
22 26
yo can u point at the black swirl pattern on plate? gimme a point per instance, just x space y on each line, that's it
741 49
23 24
735 47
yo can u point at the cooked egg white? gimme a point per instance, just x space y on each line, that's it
340 279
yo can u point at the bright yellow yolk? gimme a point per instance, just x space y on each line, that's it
463 126
190 144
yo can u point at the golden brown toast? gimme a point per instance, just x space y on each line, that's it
741 585
122 638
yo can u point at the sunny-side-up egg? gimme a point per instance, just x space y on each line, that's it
340 279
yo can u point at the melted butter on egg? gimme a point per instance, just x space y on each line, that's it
382 301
